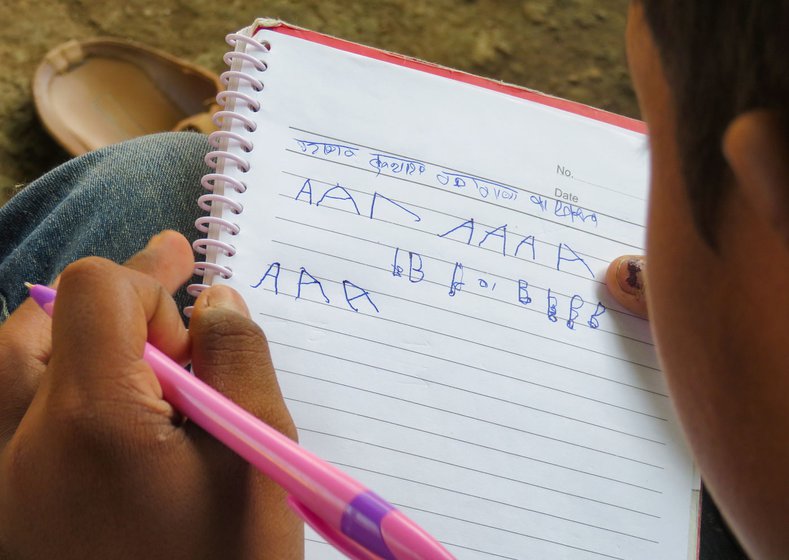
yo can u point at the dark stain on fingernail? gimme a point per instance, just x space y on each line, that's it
634 275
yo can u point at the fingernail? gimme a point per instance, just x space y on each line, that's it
224 297
630 275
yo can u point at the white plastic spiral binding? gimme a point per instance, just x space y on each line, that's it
220 157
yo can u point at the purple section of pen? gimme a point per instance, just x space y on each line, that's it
362 522
43 296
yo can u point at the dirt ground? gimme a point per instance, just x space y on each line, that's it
568 48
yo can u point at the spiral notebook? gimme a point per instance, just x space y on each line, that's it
426 250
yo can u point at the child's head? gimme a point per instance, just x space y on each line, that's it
712 78
721 59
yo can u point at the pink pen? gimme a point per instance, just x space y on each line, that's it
355 520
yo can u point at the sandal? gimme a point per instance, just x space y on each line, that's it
97 92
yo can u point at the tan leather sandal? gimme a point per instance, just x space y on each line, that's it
97 92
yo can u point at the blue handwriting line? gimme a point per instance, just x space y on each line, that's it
396 165
326 147
525 190
485 187
509 327
399 269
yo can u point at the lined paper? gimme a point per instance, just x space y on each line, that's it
427 259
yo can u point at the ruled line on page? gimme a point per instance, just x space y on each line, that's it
491 500
512 428
486 553
409 507
574 178
431 381
445 543
468 416
476 444
510 531
411 350
479 471
463 389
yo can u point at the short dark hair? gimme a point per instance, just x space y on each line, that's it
721 58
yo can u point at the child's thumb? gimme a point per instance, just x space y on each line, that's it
626 280
230 353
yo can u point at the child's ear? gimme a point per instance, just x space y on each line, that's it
756 146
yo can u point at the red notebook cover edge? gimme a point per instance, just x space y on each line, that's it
409 62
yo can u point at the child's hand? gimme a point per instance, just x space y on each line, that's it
627 283
93 463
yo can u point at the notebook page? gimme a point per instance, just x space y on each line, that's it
427 259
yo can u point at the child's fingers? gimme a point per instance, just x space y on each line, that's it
230 353
25 346
168 258
626 280
26 337
103 315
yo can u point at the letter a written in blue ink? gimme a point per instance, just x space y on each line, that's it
333 196
312 281
564 247
306 189
468 224
501 233
527 241
273 272
361 292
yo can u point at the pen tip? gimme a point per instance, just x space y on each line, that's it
28 285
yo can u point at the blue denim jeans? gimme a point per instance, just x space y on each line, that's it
106 203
